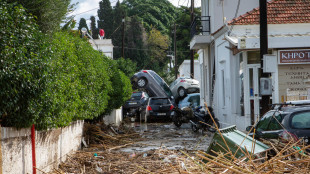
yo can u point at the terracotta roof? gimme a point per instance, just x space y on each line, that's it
278 12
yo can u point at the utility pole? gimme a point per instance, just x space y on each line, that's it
192 51
263 29
263 49
123 37
175 52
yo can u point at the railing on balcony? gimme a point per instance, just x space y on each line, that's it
200 26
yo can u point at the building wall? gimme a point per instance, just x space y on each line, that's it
228 8
52 147
185 69
104 45
115 117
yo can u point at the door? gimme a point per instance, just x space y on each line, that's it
252 86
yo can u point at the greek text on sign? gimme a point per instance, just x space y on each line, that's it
294 56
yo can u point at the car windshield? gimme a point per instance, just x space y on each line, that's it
301 120
159 101
162 83
136 95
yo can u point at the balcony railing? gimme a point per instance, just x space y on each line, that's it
200 26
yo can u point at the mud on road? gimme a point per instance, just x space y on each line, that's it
167 135
152 148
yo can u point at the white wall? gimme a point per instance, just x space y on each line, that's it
104 45
185 69
228 8
52 146
115 117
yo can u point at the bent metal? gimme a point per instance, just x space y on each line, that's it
294 56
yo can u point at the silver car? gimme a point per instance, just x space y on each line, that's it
152 83
183 86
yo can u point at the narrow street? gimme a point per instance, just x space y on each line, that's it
167 135
157 148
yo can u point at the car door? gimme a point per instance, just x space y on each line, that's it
270 126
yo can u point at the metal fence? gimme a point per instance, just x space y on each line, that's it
200 26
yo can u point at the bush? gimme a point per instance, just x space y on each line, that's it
122 88
51 82
23 50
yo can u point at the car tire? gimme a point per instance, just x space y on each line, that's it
182 92
141 82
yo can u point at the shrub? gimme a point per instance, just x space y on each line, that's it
23 50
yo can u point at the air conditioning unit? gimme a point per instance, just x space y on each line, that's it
265 86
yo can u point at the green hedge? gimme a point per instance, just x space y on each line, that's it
53 81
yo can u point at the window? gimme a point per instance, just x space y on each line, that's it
159 101
162 83
301 120
270 121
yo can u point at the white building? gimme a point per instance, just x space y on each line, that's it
231 57
185 69
104 45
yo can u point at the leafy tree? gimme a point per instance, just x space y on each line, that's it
49 13
105 14
158 44
136 43
83 24
93 28
183 22
159 14
127 66
119 13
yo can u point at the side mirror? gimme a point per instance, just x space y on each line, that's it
249 128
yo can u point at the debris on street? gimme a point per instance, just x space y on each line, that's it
104 155
110 137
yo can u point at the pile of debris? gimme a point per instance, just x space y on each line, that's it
102 157
289 159
108 137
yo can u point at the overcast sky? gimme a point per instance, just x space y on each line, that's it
87 8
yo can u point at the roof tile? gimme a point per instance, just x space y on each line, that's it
278 12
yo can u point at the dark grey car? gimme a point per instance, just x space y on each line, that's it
291 122
157 107
152 83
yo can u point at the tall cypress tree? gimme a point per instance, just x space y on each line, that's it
136 41
82 24
119 13
93 28
105 14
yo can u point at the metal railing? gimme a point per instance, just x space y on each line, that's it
200 26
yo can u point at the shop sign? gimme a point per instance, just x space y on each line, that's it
294 56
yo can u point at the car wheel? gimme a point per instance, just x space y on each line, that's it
181 92
141 83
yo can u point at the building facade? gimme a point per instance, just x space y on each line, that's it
234 85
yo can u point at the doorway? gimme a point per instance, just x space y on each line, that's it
252 84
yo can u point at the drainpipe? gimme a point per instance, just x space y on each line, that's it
33 133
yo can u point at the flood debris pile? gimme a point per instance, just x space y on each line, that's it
105 137
280 158
288 159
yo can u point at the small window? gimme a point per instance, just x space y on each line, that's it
301 120
159 101
270 121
